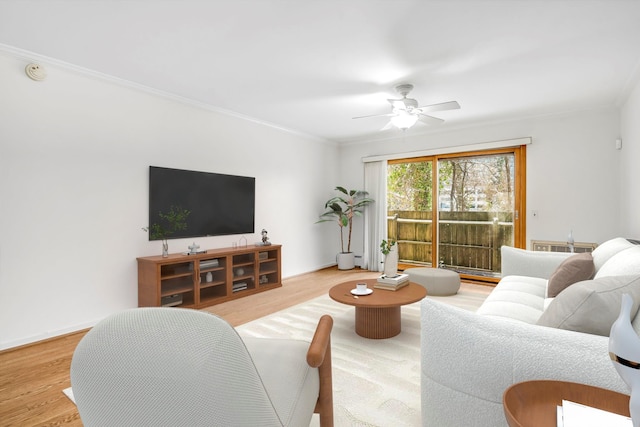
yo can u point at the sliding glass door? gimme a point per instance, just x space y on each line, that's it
461 222
410 199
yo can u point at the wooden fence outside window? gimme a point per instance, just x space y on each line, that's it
468 241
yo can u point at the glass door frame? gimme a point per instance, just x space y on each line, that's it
519 217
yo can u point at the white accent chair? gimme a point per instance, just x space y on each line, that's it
180 367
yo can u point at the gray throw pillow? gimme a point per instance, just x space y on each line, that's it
592 306
574 269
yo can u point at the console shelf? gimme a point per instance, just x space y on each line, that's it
181 280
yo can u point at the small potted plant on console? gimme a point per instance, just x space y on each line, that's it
174 220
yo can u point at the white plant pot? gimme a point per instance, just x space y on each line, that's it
346 261
391 263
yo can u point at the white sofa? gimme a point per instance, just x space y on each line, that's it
469 359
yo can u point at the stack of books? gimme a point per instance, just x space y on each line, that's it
171 300
392 283
239 286
572 414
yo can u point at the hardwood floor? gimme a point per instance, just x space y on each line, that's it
294 291
32 377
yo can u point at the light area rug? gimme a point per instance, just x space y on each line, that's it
375 382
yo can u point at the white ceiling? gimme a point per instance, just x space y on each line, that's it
310 66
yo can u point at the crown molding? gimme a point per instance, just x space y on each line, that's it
35 57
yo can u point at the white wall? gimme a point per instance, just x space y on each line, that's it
74 158
630 180
572 170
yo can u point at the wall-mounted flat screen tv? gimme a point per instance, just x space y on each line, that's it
219 204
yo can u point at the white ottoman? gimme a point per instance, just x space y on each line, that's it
438 281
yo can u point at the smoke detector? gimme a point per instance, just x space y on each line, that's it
35 72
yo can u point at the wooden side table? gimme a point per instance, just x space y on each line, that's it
378 314
534 403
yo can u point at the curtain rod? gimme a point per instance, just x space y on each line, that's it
449 150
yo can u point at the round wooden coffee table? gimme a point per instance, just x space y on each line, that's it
377 314
533 403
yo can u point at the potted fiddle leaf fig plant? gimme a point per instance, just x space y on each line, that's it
174 220
342 209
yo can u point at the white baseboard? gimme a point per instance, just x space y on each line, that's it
6 345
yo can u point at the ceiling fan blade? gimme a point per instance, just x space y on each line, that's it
429 120
387 126
451 105
374 115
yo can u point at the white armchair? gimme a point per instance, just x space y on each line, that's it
179 367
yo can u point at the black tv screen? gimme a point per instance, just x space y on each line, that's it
219 204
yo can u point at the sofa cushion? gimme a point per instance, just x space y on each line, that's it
516 298
574 269
520 262
625 262
606 250
591 306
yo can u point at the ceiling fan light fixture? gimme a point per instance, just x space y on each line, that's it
404 120
405 112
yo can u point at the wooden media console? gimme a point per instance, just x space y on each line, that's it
205 279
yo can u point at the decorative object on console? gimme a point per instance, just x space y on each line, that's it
624 350
342 209
571 242
242 242
174 220
265 240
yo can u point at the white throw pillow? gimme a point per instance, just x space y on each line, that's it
606 250
626 262
591 306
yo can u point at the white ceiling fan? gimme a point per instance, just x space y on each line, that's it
405 111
